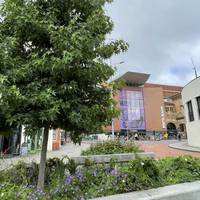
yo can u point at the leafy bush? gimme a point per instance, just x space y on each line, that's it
21 173
179 170
71 166
27 174
96 180
10 191
111 147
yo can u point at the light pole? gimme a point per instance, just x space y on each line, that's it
194 67
127 130
113 120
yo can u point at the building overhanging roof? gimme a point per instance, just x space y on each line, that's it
134 78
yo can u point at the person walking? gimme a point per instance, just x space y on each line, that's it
179 136
154 135
136 136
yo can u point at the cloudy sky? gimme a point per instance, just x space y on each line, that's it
163 36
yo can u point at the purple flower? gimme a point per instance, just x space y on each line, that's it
80 176
42 193
114 172
69 180
115 182
95 173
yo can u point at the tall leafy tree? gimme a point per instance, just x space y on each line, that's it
52 66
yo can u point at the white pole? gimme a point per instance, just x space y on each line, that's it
113 124
113 120
113 129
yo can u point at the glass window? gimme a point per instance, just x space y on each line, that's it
54 135
190 111
198 105
172 109
133 102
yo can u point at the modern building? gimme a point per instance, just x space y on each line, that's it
146 106
191 102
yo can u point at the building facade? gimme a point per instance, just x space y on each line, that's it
15 143
144 106
191 102
35 142
174 112
10 144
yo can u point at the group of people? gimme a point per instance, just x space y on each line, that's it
156 136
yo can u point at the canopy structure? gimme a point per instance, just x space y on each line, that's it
134 78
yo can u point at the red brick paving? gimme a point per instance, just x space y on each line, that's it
162 150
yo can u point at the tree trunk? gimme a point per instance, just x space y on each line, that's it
43 156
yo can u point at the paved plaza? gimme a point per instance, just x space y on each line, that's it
160 148
70 150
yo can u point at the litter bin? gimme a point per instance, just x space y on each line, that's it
24 149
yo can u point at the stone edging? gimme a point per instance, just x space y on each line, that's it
125 157
184 191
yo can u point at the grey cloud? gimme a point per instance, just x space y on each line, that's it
161 33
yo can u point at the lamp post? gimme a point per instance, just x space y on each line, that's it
194 67
113 120
127 130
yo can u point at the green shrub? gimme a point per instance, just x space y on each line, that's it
111 147
9 191
27 174
21 173
67 181
179 170
71 166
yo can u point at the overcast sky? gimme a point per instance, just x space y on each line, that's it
163 36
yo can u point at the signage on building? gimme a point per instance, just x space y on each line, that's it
162 117
132 110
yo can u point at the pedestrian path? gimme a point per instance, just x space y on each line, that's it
69 149
184 146
162 149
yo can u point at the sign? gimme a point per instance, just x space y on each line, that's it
162 113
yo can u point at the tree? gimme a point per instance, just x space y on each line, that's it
53 66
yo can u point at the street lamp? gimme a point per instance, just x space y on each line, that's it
127 126
113 120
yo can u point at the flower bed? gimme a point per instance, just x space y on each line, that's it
111 147
96 180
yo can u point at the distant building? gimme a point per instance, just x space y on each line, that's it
35 142
174 112
12 144
191 102
146 106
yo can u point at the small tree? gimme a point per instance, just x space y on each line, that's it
52 66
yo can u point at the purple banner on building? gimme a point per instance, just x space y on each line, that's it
132 110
